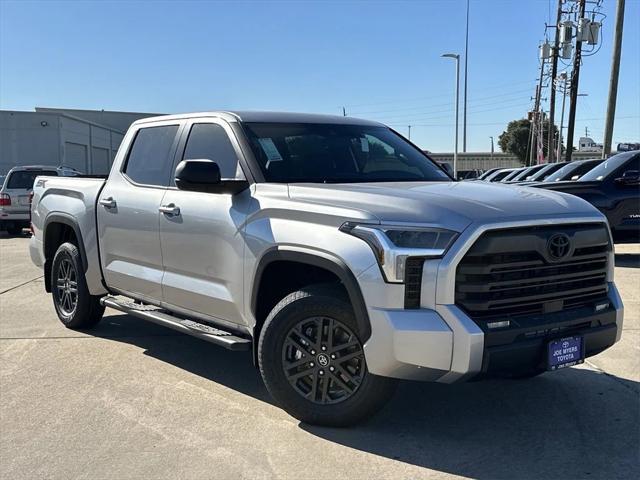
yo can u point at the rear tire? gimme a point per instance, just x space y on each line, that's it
14 230
312 363
75 306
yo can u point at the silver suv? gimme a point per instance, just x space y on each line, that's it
335 250
15 195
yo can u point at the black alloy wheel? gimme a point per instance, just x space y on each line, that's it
323 360
67 287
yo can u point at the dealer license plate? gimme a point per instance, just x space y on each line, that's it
565 352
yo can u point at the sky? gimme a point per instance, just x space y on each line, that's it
379 60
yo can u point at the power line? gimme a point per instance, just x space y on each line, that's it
411 99
433 114
417 107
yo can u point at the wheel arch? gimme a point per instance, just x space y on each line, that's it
316 259
54 233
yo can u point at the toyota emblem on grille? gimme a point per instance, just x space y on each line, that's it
558 246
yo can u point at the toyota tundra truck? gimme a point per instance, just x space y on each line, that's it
333 249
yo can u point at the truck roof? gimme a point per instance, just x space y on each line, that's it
18 168
266 117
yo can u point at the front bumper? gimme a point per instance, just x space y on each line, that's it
445 345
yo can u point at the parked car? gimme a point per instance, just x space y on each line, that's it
525 174
573 170
14 196
613 187
513 174
497 176
542 174
337 252
487 173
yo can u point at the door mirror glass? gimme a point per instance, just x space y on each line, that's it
203 175
630 177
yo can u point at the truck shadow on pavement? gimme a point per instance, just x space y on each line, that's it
575 423
630 260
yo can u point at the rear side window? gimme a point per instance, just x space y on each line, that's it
210 141
149 161
23 179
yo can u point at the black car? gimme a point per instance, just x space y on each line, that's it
573 170
613 187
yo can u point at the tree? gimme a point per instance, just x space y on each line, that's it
515 139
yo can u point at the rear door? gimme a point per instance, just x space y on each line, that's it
202 241
128 215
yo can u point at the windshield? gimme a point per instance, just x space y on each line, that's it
488 173
528 172
499 175
330 153
610 165
545 172
23 179
572 171
512 174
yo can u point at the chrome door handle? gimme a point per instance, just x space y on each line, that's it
108 202
170 209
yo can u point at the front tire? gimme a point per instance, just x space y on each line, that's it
312 361
75 306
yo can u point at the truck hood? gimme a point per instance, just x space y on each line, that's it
454 204
571 186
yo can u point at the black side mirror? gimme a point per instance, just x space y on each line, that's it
203 175
630 177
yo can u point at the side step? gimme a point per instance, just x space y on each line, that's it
190 327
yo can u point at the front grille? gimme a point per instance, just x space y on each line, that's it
509 273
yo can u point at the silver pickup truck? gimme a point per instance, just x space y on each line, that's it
332 248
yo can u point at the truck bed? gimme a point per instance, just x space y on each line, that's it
70 201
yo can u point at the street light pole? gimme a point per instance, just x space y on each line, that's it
456 57
466 68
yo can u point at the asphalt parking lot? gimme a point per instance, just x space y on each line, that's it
135 400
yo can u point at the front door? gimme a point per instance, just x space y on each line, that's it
201 233
128 214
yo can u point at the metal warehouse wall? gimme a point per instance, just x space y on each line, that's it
28 138
115 120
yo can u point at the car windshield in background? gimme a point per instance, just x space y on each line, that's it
572 171
331 153
607 167
23 179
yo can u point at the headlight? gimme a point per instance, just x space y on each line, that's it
392 245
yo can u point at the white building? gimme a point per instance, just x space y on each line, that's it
587 144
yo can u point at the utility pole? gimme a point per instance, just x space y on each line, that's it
575 78
554 72
491 147
466 68
409 127
344 112
613 81
564 98
536 109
